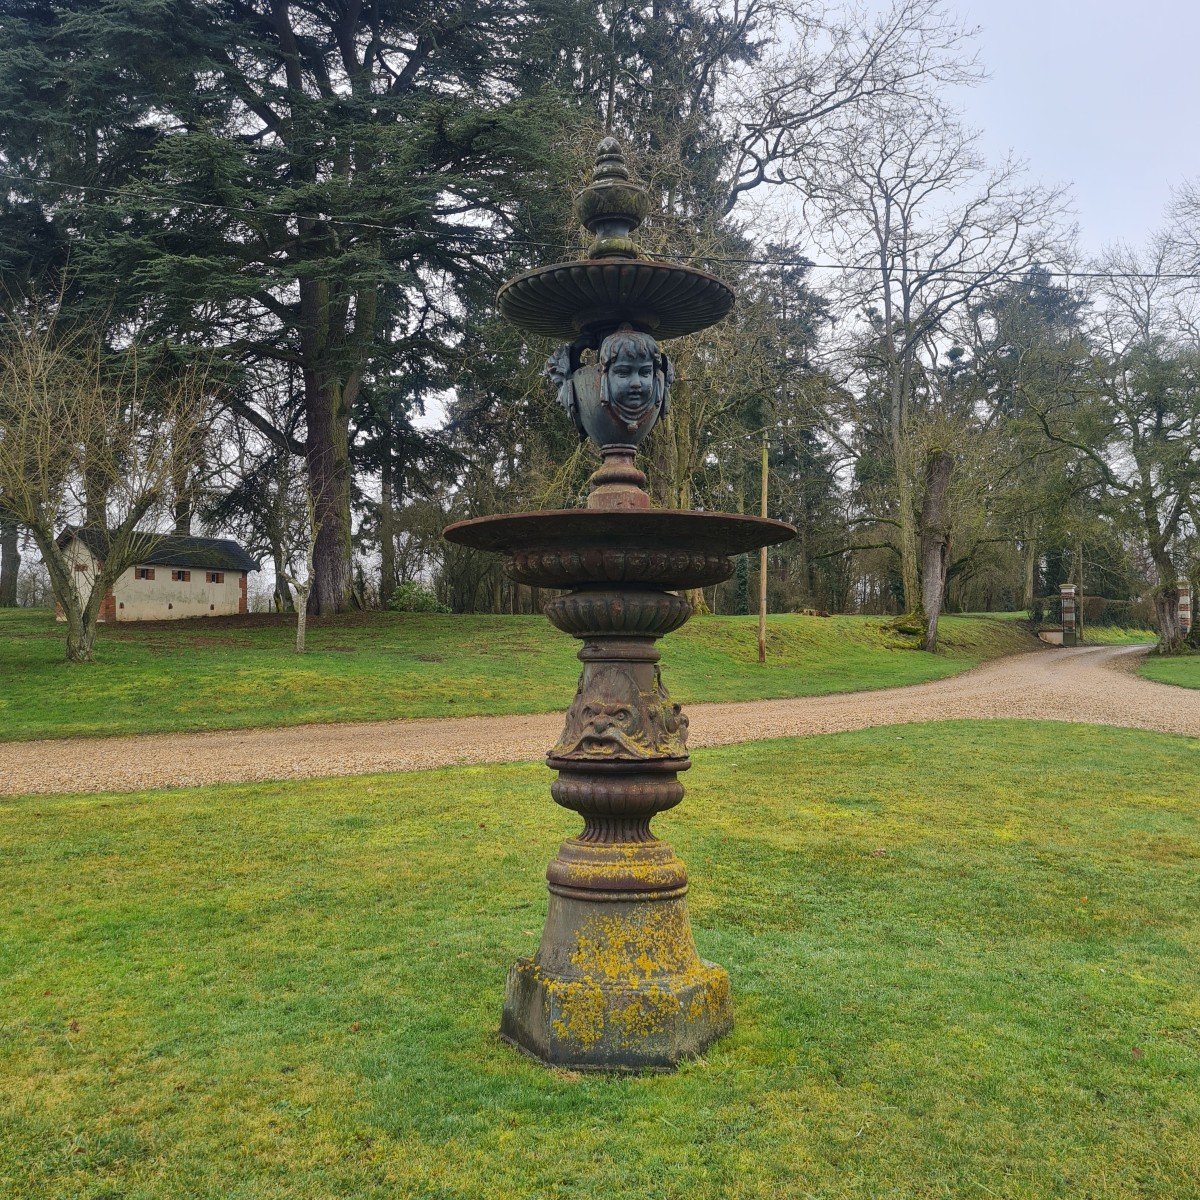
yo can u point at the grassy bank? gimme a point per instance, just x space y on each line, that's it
961 968
372 666
1114 635
1182 672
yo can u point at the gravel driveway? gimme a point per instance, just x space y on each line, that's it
1087 684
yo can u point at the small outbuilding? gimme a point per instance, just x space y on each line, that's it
178 576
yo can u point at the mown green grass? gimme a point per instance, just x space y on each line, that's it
1109 635
230 674
964 957
1019 614
1115 635
1182 672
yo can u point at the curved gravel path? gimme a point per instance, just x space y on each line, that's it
1087 684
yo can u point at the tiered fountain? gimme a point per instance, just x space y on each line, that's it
616 983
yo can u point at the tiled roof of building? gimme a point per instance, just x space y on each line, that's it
171 549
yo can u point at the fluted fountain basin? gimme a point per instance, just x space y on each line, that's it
662 298
657 547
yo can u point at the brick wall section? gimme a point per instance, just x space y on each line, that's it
108 608
243 606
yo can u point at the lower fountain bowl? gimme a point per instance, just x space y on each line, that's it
656 547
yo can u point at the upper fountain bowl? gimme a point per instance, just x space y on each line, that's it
664 299
616 284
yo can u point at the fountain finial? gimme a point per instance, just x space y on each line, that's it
613 205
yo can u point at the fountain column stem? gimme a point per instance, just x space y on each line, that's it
618 485
616 983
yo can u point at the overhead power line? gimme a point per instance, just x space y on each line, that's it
468 235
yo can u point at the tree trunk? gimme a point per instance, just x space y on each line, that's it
935 540
1166 610
762 566
327 454
741 575
283 593
81 636
906 511
81 617
910 572
10 563
95 514
301 624
387 533
181 487
1080 595
1029 591
183 515
741 565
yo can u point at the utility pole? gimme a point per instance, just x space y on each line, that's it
762 566
1079 617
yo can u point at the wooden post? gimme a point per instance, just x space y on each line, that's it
1080 597
762 567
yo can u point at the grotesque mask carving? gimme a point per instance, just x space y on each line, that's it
613 718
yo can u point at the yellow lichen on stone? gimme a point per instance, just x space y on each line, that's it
650 872
580 1005
636 947
712 1000
644 1013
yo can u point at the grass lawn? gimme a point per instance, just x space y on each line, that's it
966 962
1114 635
1183 672
363 667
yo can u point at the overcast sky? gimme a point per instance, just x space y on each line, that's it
1100 94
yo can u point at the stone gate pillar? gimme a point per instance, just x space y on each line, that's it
1070 618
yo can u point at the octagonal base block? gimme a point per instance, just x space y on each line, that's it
616 985
584 1026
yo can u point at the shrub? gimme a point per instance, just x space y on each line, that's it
412 597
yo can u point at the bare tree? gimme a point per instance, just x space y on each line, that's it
302 548
79 421
255 485
1142 432
10 561
922 227
820 67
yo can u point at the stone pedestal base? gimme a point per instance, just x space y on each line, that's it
616 985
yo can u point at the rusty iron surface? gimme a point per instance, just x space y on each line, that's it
662 529
662 298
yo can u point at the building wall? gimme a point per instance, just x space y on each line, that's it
162 598
165 599
85 568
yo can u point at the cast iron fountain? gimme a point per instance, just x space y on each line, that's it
616 983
